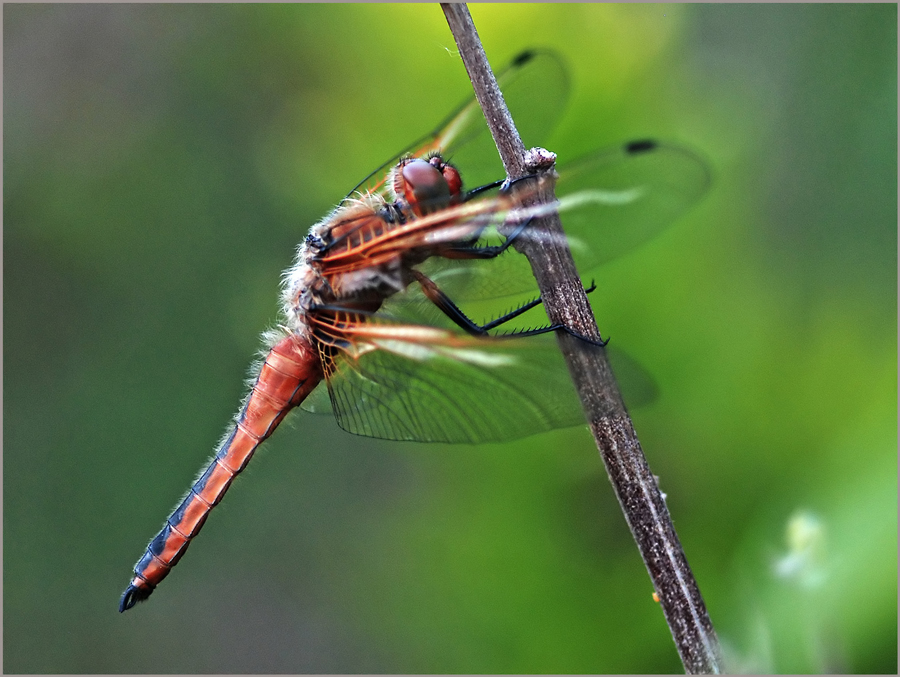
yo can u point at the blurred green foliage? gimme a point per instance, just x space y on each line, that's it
163 161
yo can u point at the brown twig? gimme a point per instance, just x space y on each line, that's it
566 304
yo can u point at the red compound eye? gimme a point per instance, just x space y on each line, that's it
423 186
454 181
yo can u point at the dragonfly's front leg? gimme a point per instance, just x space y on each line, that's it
492 251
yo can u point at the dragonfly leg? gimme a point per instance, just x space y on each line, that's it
451 310
525 307
503 184
559 327
488 252
475 192
446 305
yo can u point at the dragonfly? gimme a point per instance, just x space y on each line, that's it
371 329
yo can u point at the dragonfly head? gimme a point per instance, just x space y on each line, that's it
427 185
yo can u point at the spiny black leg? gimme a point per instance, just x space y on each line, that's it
524 307
512 314
543 330
446 306
451 310
557 327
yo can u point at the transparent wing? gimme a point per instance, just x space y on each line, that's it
611 202
536 90
412 307
458 390
463 137
617 200
424 383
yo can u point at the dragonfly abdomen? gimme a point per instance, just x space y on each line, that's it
289 373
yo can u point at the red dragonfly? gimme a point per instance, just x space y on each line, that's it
369 304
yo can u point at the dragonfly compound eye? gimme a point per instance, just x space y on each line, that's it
422 186
451 176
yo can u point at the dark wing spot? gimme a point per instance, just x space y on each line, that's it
523 58
641 146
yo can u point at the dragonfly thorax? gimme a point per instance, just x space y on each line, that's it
314 280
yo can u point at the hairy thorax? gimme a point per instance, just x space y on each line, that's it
308 283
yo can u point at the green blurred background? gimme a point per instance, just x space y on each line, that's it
162 162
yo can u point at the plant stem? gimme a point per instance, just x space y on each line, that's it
566 304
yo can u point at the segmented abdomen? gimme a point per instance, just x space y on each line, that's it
290 372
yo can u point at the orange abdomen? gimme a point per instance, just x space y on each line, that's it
290 372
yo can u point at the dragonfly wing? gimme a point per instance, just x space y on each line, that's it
615 200
413 382
463 135
611 202
458 389
481 279
412 307
536 88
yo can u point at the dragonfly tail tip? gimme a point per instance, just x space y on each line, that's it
132 596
